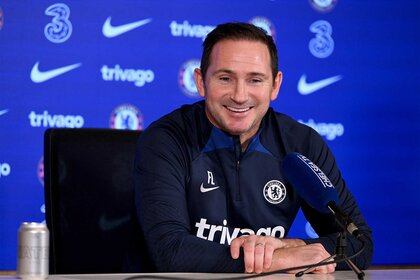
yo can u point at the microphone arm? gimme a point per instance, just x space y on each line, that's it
344 220
339 256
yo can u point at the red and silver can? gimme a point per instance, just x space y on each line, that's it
33 251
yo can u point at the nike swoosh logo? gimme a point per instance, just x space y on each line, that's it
306 88
2 112
204 190
110 31
39 77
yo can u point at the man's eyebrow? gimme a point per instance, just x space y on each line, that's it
223 71
258 74
251 74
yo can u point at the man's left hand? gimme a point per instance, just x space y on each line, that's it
258 251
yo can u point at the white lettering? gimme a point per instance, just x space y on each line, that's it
210 179
47 120
247 231
202 225
213 230
185 29
227 236
139 77
264 231
329 130
278 229
321 175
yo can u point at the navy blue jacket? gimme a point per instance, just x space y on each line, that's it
195 190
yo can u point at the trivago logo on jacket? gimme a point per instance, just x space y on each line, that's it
224 234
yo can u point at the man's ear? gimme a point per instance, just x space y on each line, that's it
276 86
199 82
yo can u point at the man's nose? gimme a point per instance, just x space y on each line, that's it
240 93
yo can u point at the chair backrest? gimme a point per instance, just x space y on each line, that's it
89 202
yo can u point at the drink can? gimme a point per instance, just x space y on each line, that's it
33 251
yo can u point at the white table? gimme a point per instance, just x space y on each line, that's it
392 274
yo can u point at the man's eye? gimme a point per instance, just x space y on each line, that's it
256 81
224 79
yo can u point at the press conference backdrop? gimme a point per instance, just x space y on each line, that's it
351 71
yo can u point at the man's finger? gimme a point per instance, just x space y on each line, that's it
235 247
259 257
268 255
249 251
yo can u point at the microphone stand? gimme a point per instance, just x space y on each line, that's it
340 249
339 255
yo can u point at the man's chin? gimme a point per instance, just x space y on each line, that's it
236 131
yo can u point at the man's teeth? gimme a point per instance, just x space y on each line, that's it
238 110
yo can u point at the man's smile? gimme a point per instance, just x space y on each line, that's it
238 110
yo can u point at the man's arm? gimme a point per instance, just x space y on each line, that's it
266 253
329 240
160 171
325 225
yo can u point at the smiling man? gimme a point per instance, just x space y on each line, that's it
238 86
210 193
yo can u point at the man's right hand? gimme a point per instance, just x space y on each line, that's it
302 255
265 253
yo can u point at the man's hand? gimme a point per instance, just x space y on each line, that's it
258 251
302 255
266 253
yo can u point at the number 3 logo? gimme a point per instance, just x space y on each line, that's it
60 28
322 45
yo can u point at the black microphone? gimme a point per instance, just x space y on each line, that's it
316 189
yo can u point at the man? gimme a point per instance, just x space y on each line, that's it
209 190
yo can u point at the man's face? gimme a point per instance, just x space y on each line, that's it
238 86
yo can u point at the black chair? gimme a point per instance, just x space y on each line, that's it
90 203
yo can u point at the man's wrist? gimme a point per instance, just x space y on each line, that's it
292 242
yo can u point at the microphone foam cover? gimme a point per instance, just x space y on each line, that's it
309 181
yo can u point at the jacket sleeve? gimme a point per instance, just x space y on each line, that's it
160 174
325 224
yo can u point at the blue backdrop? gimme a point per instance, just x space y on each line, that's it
351 71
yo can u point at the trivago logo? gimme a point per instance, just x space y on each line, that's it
329 130
137 76
224 234
4 169
185 29
47 120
